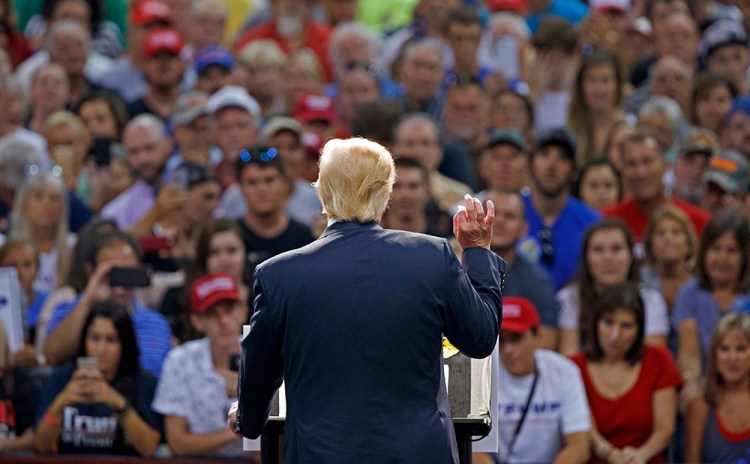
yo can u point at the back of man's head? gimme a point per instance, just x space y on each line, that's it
356 178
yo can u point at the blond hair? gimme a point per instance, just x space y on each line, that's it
715 383
356 178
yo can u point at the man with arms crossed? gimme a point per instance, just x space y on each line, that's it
359 344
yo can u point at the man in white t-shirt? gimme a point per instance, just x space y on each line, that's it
548 385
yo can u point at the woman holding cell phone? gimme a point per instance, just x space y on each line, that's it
102 405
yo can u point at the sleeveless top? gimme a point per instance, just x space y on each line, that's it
722 446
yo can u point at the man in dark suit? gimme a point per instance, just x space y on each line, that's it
354 323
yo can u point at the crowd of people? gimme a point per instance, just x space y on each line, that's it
154 152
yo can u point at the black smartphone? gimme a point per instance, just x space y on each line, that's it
100 151
130 277
234 362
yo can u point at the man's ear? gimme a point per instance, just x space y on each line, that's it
197 322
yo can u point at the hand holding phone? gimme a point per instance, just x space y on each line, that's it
87 364
129 277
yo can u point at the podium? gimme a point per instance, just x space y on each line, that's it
471 394
466 429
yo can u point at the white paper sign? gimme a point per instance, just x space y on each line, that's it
485 379
10 307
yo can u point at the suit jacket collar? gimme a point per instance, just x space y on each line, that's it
342 227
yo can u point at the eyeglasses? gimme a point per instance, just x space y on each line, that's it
30 170
370 68
266 154
548 251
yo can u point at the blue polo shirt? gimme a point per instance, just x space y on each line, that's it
562 240
152 333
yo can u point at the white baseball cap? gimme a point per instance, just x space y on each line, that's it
232 95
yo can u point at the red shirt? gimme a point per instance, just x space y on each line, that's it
629 419
316 39
628 211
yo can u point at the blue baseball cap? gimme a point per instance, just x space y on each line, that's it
211 55
739 105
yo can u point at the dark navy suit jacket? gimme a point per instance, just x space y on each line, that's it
354 322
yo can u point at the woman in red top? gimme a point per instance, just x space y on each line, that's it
631 387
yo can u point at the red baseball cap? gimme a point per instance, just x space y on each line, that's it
314 108
515 6
149 11
212 289
519 315
162 40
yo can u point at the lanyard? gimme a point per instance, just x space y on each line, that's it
523 417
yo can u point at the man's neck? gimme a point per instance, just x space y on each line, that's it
221 351
415 104
157 182
549 208
267 225
409 223
161 99
477 144
508 255
468 70
527 370
78 88
649 205
7 128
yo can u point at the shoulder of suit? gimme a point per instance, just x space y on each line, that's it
414 237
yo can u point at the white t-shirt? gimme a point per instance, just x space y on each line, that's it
551 110
189 387
657 319
558 408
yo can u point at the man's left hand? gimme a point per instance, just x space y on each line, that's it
232 419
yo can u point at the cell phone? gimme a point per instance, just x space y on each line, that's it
87 363
234 362
130 277
100 151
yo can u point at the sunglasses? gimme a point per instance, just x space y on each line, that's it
266 154
548 251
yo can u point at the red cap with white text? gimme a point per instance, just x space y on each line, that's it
212 289
519 315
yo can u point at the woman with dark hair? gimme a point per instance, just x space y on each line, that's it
104 114
116 249
722 285
103 405
595 106
717 427
712 98
219 249
598 184
631 386
606 259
